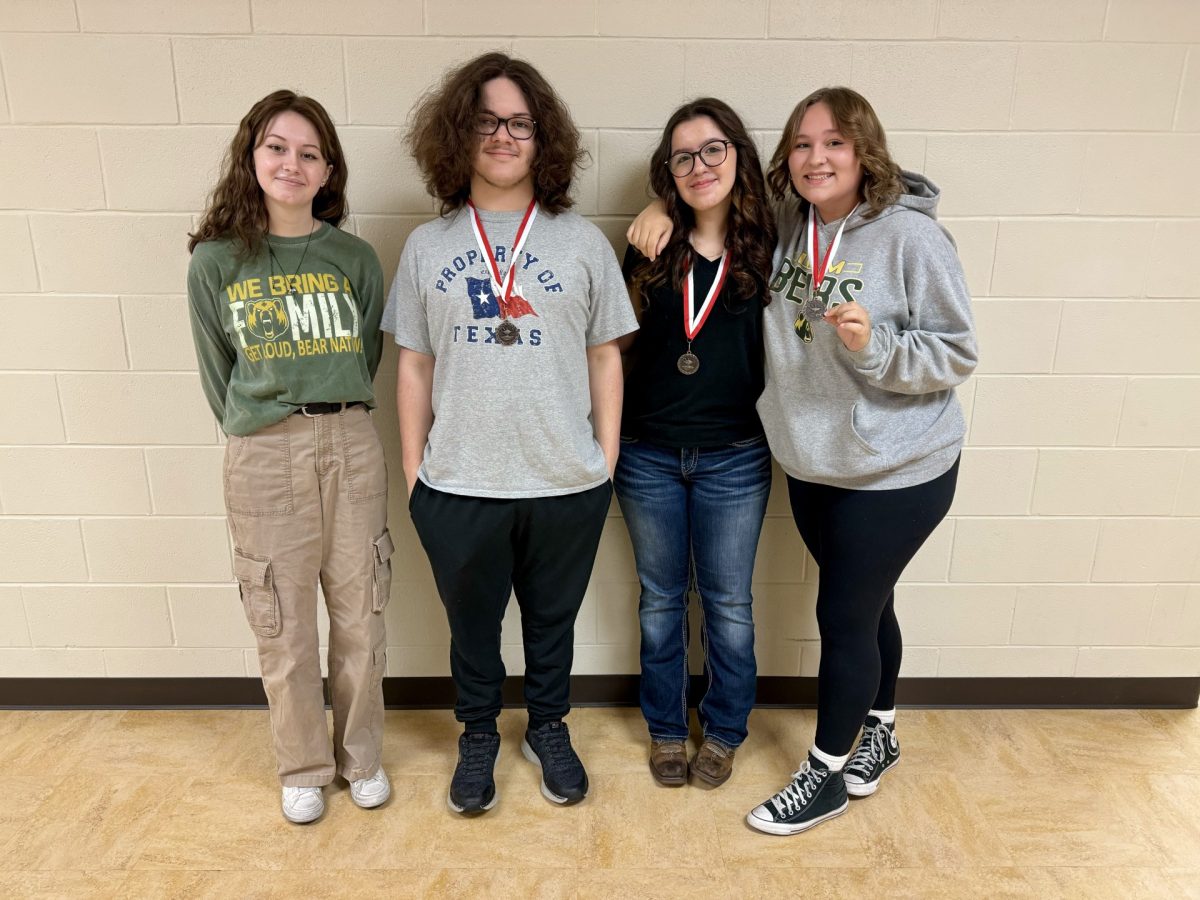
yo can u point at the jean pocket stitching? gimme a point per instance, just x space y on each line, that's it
749 442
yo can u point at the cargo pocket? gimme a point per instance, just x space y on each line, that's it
382 549
256 583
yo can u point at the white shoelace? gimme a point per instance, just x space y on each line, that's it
871 751
805 782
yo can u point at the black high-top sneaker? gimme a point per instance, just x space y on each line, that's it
877 751
814 795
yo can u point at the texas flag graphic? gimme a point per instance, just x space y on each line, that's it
486 305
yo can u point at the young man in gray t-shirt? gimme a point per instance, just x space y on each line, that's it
507 310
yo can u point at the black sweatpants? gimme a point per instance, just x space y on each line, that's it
861 540
481 551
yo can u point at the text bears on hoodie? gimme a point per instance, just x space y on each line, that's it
887 416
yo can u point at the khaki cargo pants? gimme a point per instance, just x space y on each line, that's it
307 501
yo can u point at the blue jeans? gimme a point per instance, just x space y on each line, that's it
695 512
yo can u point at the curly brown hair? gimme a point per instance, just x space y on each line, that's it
881 184
750 235
443 140
236 207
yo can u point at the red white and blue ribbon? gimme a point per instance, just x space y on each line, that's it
503 284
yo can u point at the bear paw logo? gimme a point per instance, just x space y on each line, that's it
266 319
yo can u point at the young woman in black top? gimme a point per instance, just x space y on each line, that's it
694 471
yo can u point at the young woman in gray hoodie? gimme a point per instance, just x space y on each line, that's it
869 331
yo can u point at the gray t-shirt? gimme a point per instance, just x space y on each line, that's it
509 421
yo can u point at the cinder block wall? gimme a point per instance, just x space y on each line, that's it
1065 136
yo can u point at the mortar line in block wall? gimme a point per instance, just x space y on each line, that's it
25 611
1012 95
1060 218
174 79
1187 65
37 269
7 97
345 82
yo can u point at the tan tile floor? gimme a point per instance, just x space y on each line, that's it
1042 804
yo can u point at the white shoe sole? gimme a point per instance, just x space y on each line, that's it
460 809
304 818
372 802
785 829
528 753
867 788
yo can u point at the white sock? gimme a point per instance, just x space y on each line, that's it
833 763
886 716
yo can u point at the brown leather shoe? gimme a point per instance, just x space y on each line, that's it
713 764
668 762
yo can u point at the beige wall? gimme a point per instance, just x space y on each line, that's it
1064 134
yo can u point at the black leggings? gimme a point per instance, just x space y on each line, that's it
862 540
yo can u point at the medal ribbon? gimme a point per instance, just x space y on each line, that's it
504 285
819 266
693 321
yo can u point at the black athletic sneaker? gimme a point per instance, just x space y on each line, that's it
815 794
563 777
473 789
878 750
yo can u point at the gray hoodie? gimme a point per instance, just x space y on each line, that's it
887 416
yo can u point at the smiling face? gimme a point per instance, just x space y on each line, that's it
823 166
503 165
707 186
289 164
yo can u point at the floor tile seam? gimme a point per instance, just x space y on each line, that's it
1144 825
979 818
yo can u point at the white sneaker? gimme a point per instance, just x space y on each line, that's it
302 804
371 792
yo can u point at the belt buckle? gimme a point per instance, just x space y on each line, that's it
304 409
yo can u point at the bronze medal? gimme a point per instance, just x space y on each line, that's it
688 364
813 310
507 333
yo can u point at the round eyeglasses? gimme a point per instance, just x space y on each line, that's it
712 154
519 128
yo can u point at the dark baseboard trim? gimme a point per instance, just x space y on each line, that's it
607 690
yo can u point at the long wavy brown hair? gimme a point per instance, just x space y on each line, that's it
750 234
881 184
443 141
236 208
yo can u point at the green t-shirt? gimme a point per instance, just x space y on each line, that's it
290 324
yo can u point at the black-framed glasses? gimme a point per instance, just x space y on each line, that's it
520 128
712 154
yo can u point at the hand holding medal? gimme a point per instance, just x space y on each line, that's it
813 309
853 324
